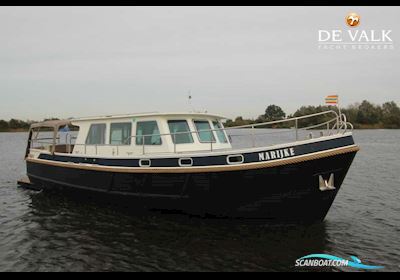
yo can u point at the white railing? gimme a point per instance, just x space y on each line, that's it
336 125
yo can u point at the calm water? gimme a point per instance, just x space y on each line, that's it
41 232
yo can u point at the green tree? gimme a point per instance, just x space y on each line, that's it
391 115
272 113
241 121
238 122
17 124
368 113
3 125
309 110
351 112
14 124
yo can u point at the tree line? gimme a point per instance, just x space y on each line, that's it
361 115
17 125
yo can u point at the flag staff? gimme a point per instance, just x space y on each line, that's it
338 106
334 100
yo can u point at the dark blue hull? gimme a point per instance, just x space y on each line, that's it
284 193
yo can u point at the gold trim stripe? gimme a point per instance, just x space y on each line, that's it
201 169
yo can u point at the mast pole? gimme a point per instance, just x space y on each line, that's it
190 100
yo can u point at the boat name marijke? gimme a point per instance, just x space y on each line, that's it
282 153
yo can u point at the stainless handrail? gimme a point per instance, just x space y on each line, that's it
317 125
286 120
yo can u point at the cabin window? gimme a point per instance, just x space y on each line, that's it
97 134
220 132
179 127
149 128
204 131
120 133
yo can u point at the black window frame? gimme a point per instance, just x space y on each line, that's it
220 129
128 143
141 138
180 133
103 137
214 140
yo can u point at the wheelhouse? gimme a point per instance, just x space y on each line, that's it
129 135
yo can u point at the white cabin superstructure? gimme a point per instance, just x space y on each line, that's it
150 133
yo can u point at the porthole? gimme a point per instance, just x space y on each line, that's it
235 159
185 162
144 163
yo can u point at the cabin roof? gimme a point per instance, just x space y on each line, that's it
151 114
52 123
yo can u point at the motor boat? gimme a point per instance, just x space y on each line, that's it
191 162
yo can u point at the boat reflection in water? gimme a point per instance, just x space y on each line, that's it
186 162
82 234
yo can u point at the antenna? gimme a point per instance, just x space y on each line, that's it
190 99
190 103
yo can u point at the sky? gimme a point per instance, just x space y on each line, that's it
235 61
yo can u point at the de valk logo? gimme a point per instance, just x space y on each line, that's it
354 38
